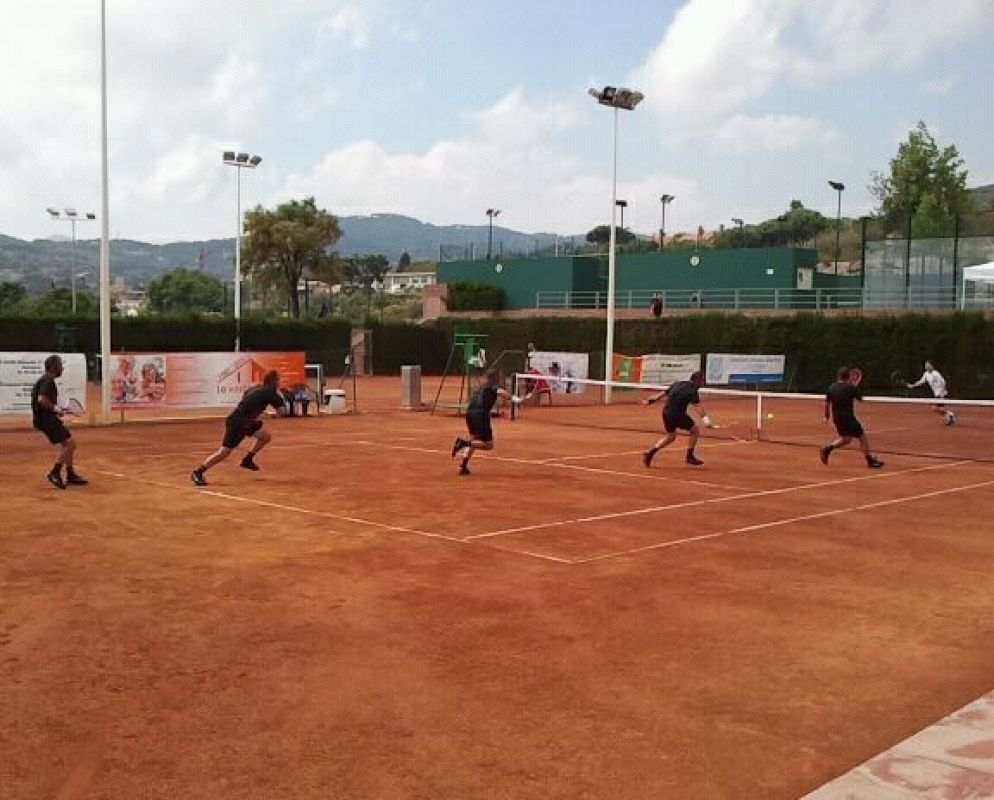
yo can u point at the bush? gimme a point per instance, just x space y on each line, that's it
475 297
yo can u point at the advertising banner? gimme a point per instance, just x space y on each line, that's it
195 380
662 370
561 367
19 371
730 368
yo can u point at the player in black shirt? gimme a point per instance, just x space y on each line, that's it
244 421
46 416
679 397
478 414
839 402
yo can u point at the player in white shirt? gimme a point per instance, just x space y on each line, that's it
937 384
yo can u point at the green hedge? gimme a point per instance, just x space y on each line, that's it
475 297
962 345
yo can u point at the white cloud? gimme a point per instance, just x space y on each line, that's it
939 86
772 133
354 23
517 167
718 57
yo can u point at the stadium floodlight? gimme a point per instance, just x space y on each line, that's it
491 212
665 200
839 187
71 216
240 161
622 204
738 221
615 98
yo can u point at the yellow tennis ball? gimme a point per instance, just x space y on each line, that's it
769 416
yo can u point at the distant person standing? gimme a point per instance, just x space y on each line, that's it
47 418
656 307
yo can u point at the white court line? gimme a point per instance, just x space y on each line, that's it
281 506
634 452
712 500
778 522
549 463
339 517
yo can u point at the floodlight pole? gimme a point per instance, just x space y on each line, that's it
239 161
611 260
491 212
838 186
665 200
616 98
104 227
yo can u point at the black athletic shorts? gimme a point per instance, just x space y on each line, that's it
849 426
237 428
478 425
673 421
53 428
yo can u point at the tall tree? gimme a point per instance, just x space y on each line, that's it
365 271
404 261
288 243
925 183
185 290
11 294
602 235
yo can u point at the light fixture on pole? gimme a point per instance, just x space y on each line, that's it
240 161
491 212
738 222
665 200
614 98
71 216
622 204
839 187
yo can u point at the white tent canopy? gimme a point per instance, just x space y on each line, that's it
981 273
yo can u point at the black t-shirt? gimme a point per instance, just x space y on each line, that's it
483 399
679 396
44 387
842 395
255 401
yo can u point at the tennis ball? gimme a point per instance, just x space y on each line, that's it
769 416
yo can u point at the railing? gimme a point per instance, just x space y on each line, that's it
743 299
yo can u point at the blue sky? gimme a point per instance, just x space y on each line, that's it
439 109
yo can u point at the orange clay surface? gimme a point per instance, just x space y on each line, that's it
357 621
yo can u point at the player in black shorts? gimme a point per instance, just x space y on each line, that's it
478 414
679 397
47 418
244 421
839 401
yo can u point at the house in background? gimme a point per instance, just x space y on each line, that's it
397 282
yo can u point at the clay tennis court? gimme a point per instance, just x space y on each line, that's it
357 621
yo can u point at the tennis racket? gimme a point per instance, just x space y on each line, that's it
72 407
900 382
855 376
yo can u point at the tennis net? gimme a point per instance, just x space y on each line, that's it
902 425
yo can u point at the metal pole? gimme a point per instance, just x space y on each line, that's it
490 237
609 343
955 255
105 227
662 224
73 267
907 264
862 262
838 231
238 267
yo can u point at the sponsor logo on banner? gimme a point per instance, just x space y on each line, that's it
20 371
731 368
196 380
656 369
662 370
561 367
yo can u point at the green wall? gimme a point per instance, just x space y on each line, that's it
522 278
767 268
